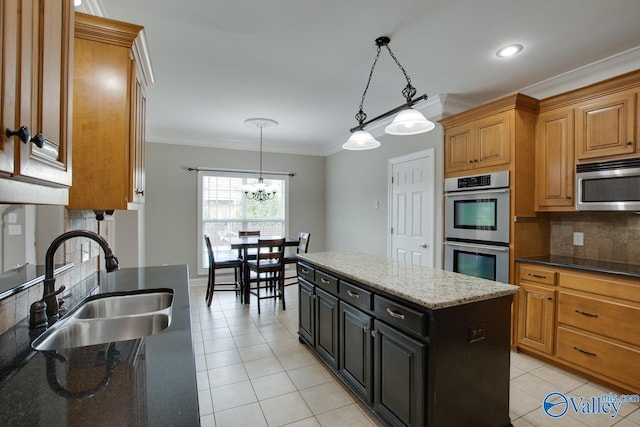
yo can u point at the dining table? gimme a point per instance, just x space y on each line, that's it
243 244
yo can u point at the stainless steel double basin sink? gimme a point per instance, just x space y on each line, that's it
110 317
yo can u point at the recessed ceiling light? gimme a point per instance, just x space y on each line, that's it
509 50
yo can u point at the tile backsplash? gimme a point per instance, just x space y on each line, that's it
607 236
82 252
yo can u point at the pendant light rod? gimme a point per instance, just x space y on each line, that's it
390 112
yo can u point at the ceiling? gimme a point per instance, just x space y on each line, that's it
305 63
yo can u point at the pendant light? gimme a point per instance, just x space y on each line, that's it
260 191
407 122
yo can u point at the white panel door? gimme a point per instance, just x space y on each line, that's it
412 216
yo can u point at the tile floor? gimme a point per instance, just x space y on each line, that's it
252 371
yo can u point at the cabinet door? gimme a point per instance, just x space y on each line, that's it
327 326
555 165
306 311
355 349
137 156
537 317
459 148
605 126
399 374
9 80
491 136
36 54
47 44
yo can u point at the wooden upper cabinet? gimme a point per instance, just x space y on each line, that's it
605 126
492 140
481 143
111 71
555 165
37 51
460 149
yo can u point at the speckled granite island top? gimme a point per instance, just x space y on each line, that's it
429 287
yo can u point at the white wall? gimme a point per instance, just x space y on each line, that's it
356 180
171 199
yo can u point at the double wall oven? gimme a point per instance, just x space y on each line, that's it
477 225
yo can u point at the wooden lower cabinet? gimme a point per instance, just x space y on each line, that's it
355 349
326 322
306 310
537 314
589 322
410 365
398 376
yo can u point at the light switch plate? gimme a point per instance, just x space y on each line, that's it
578 238
14 230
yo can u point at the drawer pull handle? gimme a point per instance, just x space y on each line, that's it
588 353
305 271
325 281
394 314
537 276
353 294
584 313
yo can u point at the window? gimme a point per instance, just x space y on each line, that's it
223 210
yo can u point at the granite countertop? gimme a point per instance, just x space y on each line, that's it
610 267
149 381
429 287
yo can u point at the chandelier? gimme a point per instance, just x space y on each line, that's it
407 122
260 191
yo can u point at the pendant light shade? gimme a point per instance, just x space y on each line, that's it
409 122
361 140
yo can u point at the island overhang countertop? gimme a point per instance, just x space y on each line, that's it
429 287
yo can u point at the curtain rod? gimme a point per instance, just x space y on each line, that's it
248 172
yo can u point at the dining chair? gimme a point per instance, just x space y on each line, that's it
303 246
269 271
251 253
235 263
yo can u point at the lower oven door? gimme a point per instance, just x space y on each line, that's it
485 261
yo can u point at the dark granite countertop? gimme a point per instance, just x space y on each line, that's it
610 267
25 276
151 380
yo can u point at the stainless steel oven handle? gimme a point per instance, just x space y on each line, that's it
472 192
474 246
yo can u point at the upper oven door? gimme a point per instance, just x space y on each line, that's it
481 215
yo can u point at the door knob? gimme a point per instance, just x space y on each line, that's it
424 245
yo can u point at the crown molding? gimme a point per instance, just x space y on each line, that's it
603 69
245 145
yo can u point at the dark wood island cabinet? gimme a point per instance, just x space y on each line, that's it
419 346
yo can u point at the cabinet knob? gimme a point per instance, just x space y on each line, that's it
568 197
549 298
140 192
470 161
23 133
629 143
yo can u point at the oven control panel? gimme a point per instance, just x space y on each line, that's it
477 182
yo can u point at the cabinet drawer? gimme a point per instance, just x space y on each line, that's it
401 316
307 272
355 295
611 318
537 274
599 355
327 282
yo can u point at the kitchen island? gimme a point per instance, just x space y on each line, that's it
419 346
146 381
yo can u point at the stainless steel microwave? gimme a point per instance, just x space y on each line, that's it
608 186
